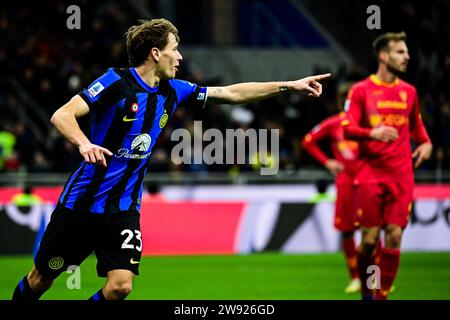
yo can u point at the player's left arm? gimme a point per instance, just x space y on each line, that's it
310 144
419 135
65 121
253 91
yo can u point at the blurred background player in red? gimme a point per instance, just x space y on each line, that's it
383 113
342 166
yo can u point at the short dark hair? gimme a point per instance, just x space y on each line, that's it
382 41
146 35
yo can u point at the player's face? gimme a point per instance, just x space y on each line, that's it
170 58
398 56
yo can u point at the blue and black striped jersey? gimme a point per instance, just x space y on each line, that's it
127 117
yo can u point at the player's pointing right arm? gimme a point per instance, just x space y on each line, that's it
252 91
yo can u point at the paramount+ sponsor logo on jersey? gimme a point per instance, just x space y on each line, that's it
139 147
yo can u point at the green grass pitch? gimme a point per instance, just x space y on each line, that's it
258 276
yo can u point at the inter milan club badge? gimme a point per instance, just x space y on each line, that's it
56 263
163 120
134 107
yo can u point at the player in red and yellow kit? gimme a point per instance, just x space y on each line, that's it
343 168
383 113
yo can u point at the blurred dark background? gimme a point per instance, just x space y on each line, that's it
43 64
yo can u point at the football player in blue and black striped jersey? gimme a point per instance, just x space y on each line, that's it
98 210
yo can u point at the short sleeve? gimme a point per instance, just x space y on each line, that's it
418 132
354 104
354 109
102 92
190 93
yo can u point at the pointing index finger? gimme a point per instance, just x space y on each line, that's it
321 76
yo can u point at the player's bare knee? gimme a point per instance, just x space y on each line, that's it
393 237
394 240
370 237
118 290
369 243
119 284
123 291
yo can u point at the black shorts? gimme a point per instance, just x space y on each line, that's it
71 236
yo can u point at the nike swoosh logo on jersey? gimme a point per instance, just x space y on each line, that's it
127 119
133 262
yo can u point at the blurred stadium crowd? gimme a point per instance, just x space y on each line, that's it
51 67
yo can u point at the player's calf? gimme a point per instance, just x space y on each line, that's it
351 258
367 247
389 260
32 286
39 282
369 239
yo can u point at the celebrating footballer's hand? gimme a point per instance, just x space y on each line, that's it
94 154
384 134
422 153
334 166
310 84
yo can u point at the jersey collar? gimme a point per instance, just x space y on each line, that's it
141 82
380 82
